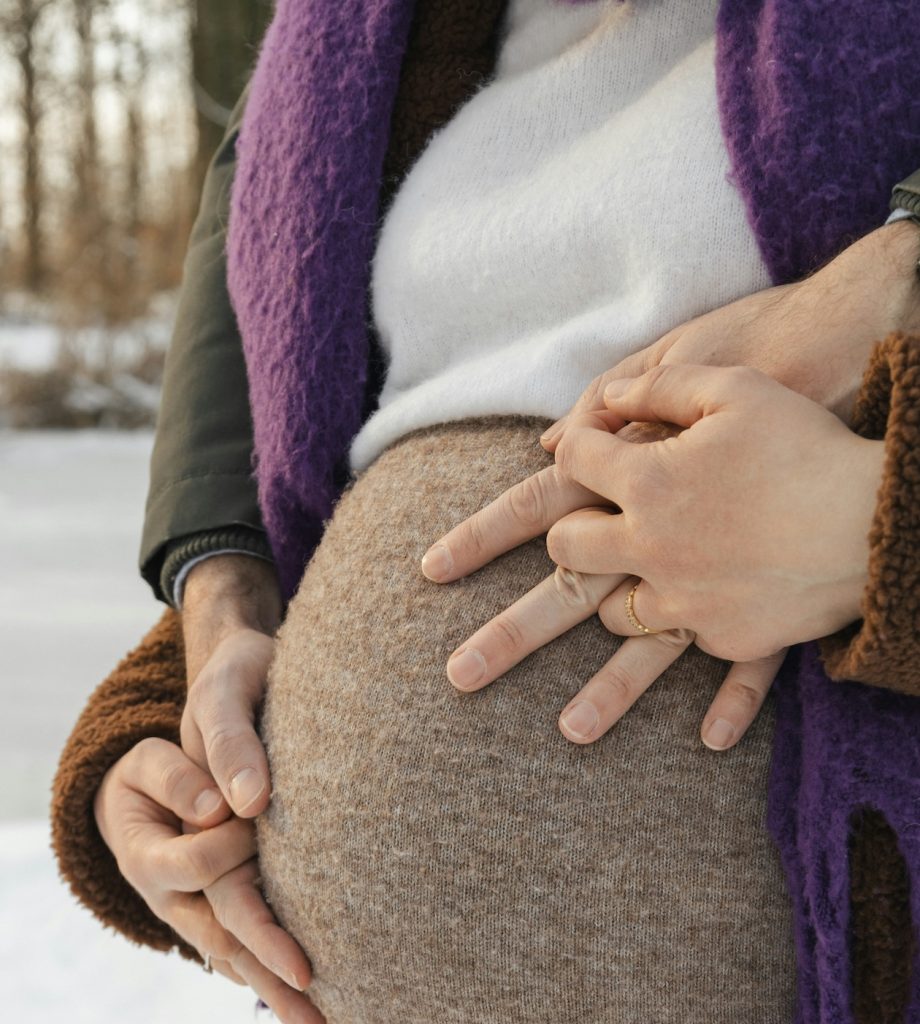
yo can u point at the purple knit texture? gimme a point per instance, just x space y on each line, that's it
820 107
839 747
300 241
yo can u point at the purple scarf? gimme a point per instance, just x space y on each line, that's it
820 108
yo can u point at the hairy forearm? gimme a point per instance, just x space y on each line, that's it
224 594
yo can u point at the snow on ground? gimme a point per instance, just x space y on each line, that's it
27 345
71 604
61 967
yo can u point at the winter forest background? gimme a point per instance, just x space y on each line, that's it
109 111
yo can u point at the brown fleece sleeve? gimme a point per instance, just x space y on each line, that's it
883 648
143 696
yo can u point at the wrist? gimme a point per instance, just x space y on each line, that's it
865 476
223 595
895 252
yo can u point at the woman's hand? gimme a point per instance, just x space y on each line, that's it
202 885
749 529
814 336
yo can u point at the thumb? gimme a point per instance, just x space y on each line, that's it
218 726
677 393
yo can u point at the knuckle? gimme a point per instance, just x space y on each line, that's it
658 375
201 865
508 634
151 864
618 684
741 379
221 944
473 537
173 776
527 501
676 639
148 749
222 741
743 695
572 589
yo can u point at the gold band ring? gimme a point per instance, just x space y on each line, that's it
631 613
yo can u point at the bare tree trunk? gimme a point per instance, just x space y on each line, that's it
18 23
32 185
86 163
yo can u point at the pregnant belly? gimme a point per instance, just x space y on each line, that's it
447 857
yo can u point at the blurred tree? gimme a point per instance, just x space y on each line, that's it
18 21
225 35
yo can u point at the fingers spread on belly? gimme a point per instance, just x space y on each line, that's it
552 608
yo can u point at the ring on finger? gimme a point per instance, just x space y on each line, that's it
631 613
207 964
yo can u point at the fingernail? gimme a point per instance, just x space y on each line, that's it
207 802
719 735
437 562
551 433
287 976
616 388
245 788
580 719
466 668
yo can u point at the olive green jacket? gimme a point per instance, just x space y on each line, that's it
202 494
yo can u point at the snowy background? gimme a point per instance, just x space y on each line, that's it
71 604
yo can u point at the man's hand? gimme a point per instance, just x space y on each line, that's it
813 336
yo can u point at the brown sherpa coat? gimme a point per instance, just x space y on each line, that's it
449 56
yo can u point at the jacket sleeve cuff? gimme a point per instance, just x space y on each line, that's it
144 696
906 194
883 648
195 546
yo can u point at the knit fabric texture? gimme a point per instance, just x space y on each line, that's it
843 748
820 107
450 858
492 300
300 241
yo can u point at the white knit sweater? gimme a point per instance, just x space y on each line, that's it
574 210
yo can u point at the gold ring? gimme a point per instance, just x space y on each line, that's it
631 613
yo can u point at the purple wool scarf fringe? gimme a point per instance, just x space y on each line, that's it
820 108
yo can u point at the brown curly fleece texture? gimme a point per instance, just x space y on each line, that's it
882 649
143 696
